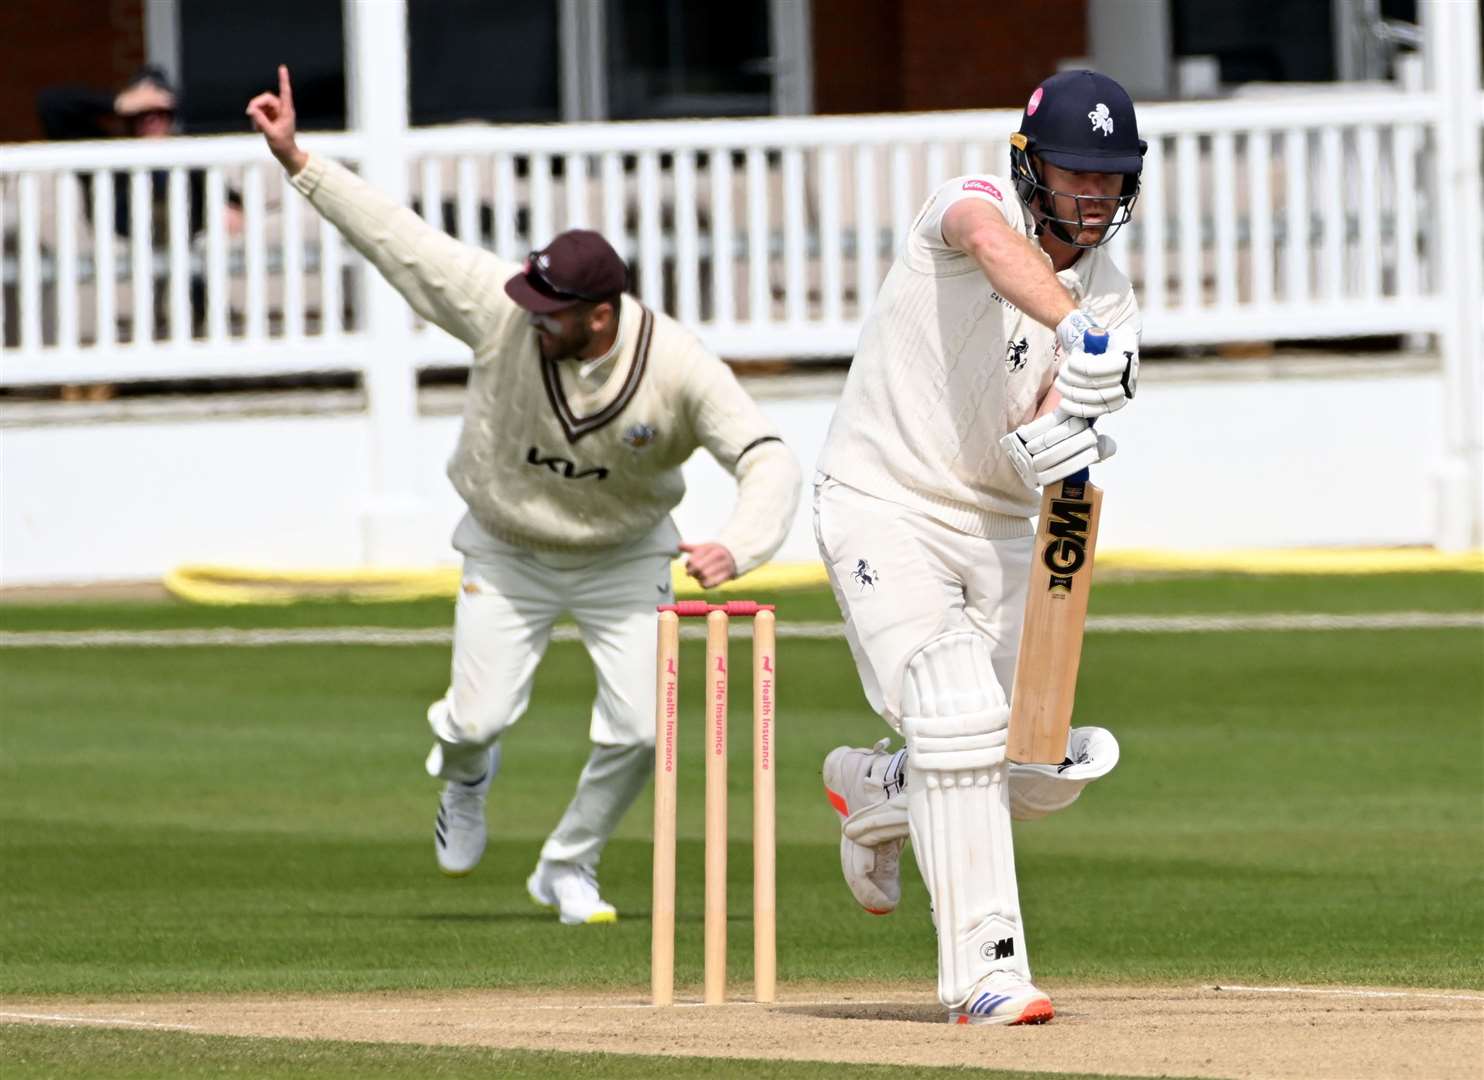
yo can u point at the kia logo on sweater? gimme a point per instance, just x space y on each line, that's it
567 470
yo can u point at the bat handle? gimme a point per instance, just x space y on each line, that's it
1082 475
1096 342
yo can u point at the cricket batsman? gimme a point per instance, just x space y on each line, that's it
582 405
1001 332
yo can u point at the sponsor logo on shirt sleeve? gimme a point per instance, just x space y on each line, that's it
986 187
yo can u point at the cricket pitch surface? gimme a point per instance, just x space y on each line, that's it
1248 1032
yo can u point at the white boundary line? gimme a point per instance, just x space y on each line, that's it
1341 992
107 1021
388 636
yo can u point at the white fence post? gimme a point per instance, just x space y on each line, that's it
1452 51
376 107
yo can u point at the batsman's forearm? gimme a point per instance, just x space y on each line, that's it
1020 273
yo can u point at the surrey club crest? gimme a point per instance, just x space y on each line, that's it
639 436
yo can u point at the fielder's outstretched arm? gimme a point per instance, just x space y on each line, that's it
451 284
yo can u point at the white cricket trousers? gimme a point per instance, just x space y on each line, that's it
901 578
508 601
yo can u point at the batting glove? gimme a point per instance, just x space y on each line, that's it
1072 331
1101 376
1055 446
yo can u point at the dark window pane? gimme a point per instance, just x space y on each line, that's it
1275 41
474 60
228 52
678 58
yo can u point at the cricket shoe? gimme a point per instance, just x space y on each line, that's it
573 891
459 831
1003 997
866 789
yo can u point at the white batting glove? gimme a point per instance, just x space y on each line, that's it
1072 331
1101 376
1055 446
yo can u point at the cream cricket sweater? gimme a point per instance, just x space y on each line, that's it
946 366
545 461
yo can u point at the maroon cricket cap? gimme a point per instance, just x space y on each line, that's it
577 267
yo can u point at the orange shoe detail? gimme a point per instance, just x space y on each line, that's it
1037 1012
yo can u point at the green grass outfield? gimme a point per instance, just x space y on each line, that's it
1291 807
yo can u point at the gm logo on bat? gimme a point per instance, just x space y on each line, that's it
1066 551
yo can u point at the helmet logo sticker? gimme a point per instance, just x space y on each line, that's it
1034 103
1102 120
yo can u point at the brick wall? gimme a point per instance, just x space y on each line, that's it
96 43
908 55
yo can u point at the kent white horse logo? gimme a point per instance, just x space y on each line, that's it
1102 119
1015 354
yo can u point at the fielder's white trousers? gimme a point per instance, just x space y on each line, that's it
508 601
901 578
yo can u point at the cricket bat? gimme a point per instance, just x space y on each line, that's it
1055 613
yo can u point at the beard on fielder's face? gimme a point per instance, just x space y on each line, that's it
563 335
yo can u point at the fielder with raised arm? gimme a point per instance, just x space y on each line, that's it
582 405
1001 332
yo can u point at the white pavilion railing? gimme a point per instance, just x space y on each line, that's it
1326 214
1303 218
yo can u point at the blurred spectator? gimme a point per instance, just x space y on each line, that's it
145 109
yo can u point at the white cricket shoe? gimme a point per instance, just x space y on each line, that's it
573 891
459 831
1002 997
866 788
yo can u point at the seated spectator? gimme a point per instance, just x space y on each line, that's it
143 109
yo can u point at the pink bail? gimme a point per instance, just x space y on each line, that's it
689 608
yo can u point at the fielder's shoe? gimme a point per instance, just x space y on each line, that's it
1002 997
459 832
572 890
866 788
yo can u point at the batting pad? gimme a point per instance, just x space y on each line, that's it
955 718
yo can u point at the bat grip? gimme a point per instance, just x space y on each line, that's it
1082 475
1095 342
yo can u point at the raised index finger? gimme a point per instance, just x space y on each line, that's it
285 90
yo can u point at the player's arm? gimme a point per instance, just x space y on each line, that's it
729 424
1091 382
1018 272
451 284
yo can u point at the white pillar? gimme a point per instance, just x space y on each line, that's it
1452 57
791 33
377 109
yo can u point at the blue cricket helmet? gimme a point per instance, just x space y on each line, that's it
1082 121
